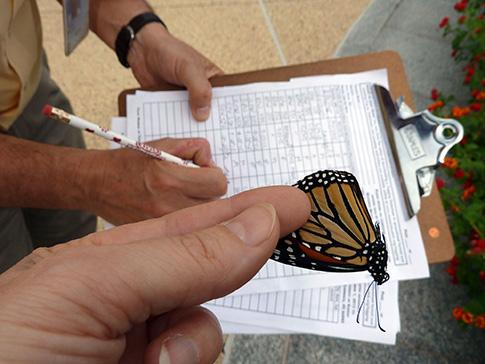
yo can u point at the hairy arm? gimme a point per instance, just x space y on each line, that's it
43 176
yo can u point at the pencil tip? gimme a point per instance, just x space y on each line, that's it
47 109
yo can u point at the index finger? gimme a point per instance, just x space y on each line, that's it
291 204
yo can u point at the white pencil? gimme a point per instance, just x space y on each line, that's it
82 124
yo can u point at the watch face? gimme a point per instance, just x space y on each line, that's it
130 31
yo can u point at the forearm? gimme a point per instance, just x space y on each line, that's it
43 176
107 17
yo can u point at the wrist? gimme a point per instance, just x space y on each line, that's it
128 34
150 34
91 179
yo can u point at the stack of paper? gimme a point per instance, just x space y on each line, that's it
276 133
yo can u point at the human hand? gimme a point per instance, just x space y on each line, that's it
156 56
127 186
130 294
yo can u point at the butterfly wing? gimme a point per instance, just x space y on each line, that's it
339 230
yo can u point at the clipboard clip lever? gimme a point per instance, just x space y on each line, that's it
419 144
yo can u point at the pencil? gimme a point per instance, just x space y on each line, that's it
61 115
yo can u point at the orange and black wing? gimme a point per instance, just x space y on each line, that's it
339 235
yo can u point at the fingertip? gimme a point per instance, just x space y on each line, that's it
295 210
193 335
201 113
200 95
255 225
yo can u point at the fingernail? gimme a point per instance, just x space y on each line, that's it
203 112
254 225
178 349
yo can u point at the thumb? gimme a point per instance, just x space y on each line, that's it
194 268
200 91
152 277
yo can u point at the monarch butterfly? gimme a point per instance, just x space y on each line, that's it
339 235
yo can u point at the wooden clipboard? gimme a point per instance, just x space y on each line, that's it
432 218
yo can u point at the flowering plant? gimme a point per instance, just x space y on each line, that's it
463 187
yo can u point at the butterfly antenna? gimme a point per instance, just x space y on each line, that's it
377 309
363 301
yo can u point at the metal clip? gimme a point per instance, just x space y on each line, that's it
419 143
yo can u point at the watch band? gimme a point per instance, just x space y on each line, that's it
128 33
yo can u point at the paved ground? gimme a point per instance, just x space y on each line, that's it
429 333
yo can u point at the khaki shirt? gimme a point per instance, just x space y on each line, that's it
20 57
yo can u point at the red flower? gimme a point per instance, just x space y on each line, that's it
471 71
474 234
467 79
459 173
454 261
480 321
451 270
444 22
478 30
450 162
458 313
467 317
475 106
434 94
478 246
435 105
440 183
483 82
468 183
482 276
480 95
461 5
475 250
468 192
461 19
464 140
454 52
458 112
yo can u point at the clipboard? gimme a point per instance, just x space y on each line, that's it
432 219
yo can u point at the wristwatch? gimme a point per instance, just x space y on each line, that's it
127 34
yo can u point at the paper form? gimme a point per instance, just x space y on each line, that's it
331 302
270 134
329 311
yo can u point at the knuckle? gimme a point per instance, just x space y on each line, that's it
205 92
172 184
40 254
197 143
92 239
202 252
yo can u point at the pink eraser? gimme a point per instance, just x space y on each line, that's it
47 110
